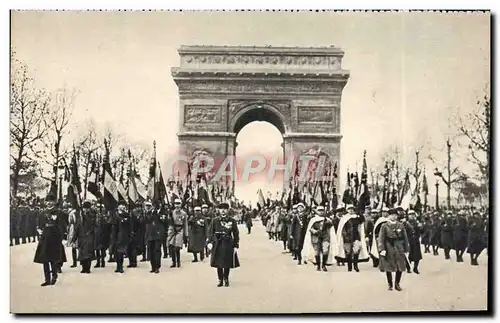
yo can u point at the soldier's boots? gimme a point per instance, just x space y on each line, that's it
220 283
318 263
195 257
325 257
397 287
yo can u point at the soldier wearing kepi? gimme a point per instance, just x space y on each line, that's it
50 250
298 232
123 230
224 239
102 236
155 221
197 234
460 235
85 234
392 246
177 233
447 234
320 239
413 228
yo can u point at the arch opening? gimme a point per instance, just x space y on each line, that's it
258 139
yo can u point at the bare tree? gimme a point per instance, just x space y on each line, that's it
28 106
88 147
475 128
57 120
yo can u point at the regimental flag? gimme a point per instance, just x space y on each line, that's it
407 193
318 194
261 202
110 190
93 184
364 193
74 188
133 195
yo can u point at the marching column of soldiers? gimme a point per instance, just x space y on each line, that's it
143 229
391 238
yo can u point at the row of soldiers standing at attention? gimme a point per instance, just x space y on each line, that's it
145 230
392 238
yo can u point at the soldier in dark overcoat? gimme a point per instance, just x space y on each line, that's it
23 214
102 236
208 216
283 220
123 231
426 233
224 241
299 228
197 234
393 245
85 234
447 234
460 232
247 218
436 233
135 237
50 250
475 239
155 221
413 228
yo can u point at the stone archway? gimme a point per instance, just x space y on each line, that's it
223 88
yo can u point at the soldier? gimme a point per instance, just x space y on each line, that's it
413 228
223 239
351 239
102 236
50 250
122 234
23 214
85 233
177 233
392 246
460 232
208 215
72 241
299 228
435 233
135 237
320 239
155 221
113 223
247 218
282 228
475 237
447 234
197 234
426 233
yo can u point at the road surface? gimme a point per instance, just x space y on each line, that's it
267 282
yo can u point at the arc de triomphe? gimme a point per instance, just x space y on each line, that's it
223 88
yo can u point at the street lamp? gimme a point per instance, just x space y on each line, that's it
438 175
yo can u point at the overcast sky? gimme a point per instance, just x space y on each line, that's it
408 71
